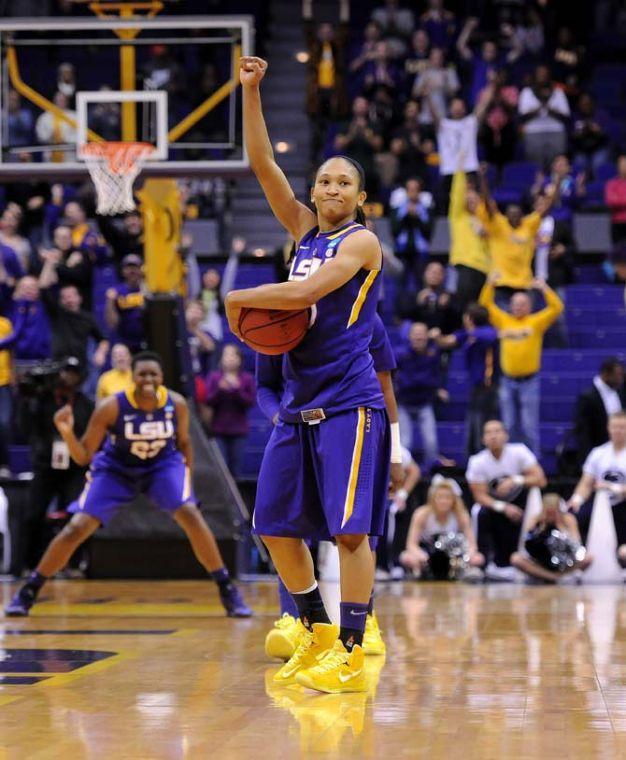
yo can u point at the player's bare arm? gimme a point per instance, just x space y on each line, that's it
183 440
289 211
359 251
83 450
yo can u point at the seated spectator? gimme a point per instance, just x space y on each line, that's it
10 222
521 343
379 71
230 392
407 145
589 140
481 66
443 513
500 477
29 339
372 35
396 24
124 238
568 190
66 80
469 252
615 199
604 469
417 59
72 327
433 305
20 124
84 238
479 341
536 558
411 226
511 237
498 131
55 132
389 550
439 24
544 113
360 139
327 96
438 82
120 377
65 265
125 305
201 344
596 404
568 61
6 399
418 385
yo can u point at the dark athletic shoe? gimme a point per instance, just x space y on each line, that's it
21 603
233 603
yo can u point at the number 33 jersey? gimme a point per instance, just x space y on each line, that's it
139 439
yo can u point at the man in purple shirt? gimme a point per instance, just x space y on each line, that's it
125 305
479 341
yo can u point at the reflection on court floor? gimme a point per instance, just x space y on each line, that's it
486 671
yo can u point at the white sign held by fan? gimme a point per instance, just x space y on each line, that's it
602 543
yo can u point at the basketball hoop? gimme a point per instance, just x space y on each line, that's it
113 167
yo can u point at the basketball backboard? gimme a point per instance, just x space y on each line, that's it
170 81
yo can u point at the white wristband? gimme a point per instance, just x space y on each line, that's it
401 494
396 448
519 480
499 506
576 500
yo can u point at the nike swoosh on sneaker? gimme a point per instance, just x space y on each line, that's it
345 679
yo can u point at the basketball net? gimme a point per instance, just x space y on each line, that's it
113 167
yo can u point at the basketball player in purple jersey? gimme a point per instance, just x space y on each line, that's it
147 450
326 467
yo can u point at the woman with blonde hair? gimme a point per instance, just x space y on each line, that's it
444 513
552 546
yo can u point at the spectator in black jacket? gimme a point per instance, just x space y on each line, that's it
72 327
63 264
606 396
433 305
125 237
55 475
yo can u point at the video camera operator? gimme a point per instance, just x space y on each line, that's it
42 391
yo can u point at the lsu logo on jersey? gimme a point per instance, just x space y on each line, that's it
150 437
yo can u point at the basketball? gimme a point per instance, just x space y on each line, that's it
272 331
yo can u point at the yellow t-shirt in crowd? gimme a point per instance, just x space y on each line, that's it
521 356
512 248
326 67
468 238
6 328
113 381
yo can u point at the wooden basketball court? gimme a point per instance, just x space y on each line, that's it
154 670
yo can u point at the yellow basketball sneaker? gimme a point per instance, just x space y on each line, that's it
338 672
282 641
372 638
311 649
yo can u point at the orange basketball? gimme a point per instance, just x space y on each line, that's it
273 331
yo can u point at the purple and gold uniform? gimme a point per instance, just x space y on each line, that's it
139 456
325 470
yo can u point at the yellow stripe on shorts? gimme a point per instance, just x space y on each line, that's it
354 467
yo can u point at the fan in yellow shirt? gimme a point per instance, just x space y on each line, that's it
511 239
120 377
521 342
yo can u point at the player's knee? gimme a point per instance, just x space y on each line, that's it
516 559
350 542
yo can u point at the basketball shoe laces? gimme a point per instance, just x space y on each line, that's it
303 648
334 658
286 621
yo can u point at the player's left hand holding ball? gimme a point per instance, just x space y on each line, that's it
64 419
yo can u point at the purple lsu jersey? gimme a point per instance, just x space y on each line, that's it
332 368
139 439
